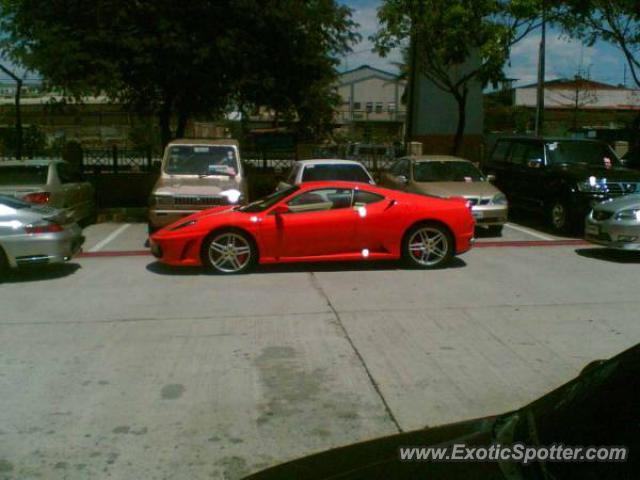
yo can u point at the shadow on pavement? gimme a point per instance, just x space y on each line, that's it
606 255
39 274
162 269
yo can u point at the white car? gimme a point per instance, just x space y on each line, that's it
328 170
50 183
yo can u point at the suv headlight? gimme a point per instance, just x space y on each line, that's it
632 214
233 196
499 199
160 200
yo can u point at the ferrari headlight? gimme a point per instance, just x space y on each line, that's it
499 199
632 214
188 223
233 196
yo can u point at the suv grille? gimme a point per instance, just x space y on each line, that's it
601 215
198 200
478 201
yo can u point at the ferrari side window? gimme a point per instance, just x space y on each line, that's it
321 200
362 197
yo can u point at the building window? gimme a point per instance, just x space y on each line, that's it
357 105
378 107
391 107
369 107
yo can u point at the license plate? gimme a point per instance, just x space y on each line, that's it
592 230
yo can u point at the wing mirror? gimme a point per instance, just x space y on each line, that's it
402 179
280 209
491 178
534 163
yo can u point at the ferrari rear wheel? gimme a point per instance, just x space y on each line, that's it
229 252
428 245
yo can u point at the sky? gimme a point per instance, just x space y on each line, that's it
565 57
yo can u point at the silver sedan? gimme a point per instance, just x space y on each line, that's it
615 224
35 235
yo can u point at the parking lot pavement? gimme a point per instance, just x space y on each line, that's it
115 237
121 368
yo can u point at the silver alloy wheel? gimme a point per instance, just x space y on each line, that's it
558 216
428 246
229 252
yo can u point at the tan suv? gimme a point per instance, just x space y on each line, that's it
195 175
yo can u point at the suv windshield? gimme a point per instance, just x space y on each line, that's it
589 153
24 174
201 160
446 172
268 201
346 172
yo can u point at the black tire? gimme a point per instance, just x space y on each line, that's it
495 230
229 252
560 217
423 257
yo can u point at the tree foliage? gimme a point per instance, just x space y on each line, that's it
185 59
449 33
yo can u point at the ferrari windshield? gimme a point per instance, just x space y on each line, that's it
446 171
201 160
268 201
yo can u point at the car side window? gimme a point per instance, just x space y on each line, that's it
401 167
535 152
321 200
518 153
291 179
362 197
501 152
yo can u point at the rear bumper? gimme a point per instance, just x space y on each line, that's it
43 249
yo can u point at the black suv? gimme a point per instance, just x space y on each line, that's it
560 177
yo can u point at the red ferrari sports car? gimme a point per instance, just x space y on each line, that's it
320 221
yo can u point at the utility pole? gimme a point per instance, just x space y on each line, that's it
541 74
18 123
413 75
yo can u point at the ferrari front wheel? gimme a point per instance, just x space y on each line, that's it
229 252
428 245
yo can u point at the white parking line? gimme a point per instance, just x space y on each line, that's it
100 245
533 233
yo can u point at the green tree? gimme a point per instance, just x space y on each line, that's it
447 34
183 60
614 21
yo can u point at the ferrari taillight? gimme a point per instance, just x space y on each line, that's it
38 197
